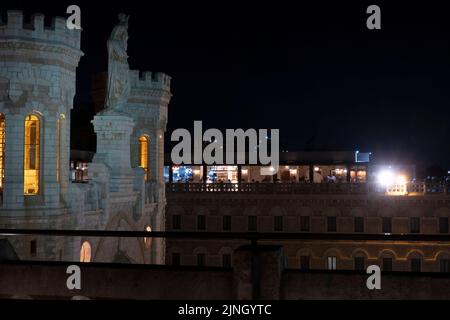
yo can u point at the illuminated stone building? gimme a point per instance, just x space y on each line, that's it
125 190
338 205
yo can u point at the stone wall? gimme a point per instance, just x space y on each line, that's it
238 207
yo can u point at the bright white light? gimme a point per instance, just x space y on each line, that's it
316 169
272 169
386 177
400 179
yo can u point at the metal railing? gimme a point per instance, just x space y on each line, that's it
299 188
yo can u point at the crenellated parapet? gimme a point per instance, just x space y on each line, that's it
57 34
149 88
37 87
38 63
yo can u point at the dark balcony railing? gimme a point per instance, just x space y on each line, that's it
272 188
296 188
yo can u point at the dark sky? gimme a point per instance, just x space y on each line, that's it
313 71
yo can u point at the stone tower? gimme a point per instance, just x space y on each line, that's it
125 189
37 87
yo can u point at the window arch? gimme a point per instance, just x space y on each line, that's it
144 155
85 252
31 161
2 150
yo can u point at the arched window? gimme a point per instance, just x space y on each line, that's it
143 155
85 252
31 155
2 150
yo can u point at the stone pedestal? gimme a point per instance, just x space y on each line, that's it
113 131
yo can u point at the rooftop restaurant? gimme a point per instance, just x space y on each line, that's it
299 172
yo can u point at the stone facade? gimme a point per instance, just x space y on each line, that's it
37 77
233 211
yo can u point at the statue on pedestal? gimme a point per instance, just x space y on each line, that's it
118 86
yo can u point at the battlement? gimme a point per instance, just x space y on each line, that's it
56 34
149 80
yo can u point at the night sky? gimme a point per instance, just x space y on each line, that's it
316 73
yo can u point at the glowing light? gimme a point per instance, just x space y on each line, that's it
31 155
316 169
386 177
143 155
148 241
85 252
244 171
401 179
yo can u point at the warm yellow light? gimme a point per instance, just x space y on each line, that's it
31 155
244 171
143 155
148 241
85 252
316 169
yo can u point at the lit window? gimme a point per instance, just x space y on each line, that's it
143 155
2 150
31 155
148 241
331 263
85 252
